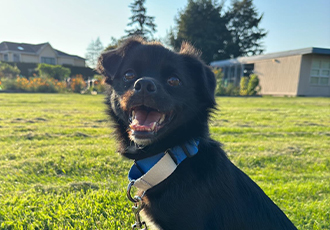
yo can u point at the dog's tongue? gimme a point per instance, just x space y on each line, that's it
146 118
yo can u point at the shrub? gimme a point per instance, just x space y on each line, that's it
36 84
243 90
49 85
9 84
99 84
249 86
86 72
232 90
28 69
253 86
53 71
220 90
7 70
77 84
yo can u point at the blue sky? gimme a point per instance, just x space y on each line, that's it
70 25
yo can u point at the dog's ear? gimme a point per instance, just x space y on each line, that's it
202 72
109 62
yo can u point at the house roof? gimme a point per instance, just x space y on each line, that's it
31 48
310 50
61 53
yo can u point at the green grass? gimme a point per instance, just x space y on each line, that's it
59 168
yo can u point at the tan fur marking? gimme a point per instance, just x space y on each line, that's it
125 98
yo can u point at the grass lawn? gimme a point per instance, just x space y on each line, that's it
59 168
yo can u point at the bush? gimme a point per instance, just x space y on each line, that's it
28 69
253 86
249 86
243 90
9 84
220 90
223 89
99 84
232 90
7 70
77 84
53 71
37 84
86 72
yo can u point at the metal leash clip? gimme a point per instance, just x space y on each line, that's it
138 206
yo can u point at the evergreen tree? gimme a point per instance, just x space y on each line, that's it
145 24
219 35
94 50
202 24
243 24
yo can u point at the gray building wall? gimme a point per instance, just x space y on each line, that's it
305 88
278 76
303 72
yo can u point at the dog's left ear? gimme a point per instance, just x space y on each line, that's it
199 70
109 62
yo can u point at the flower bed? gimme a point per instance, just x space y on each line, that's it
36 84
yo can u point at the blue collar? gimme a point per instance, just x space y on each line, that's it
177 153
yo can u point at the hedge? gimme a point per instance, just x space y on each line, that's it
28 69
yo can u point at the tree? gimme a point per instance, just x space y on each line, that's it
219 35
145 24
202 24
243 24
94 50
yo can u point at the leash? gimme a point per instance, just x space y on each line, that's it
149 172
137 208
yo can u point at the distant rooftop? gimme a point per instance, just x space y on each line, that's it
30 48
310 50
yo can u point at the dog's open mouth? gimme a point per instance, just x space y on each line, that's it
146 122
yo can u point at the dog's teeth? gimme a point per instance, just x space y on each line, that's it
134 122
162 119
153 126
133 114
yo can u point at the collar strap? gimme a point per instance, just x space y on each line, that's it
149 172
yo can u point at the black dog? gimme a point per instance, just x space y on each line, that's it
160 103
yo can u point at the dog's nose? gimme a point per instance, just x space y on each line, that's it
145 84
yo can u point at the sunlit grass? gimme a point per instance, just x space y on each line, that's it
59 168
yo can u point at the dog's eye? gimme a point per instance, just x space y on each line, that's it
129 75
173 81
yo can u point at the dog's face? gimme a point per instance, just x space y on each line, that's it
156 93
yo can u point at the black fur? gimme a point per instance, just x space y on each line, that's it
206 191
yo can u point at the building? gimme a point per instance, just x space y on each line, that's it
303 72
39 53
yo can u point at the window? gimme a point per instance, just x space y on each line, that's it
16 58
320 72
5 57
48 60
248 70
